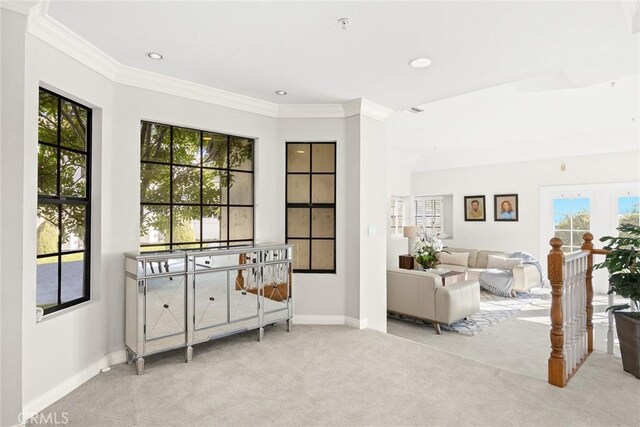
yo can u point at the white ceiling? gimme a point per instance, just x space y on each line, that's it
255 48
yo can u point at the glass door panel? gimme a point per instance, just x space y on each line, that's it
211 299
165 307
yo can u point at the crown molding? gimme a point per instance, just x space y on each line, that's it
170 85
22 7
310 111
54 33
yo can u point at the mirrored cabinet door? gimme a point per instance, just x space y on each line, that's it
165 306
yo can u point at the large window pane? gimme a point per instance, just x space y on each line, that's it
240 153
48 118
72 285
73 227
240 223
155 142
186 185
154 183
48 229
322 251
47 170
629 210
72 174
73 126
214 150
186 147
212 223
240 188
154 224
47 282
300 254
212 190
186 224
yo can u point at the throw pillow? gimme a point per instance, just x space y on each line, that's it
454 258
503 262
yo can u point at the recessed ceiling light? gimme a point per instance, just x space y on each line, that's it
420 62
300 151
281 92
154 55
206 138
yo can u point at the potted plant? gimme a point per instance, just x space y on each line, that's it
623 263
425 249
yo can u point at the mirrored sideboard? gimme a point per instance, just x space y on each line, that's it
174 299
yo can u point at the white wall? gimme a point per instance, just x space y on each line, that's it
373 223
12 245
525 179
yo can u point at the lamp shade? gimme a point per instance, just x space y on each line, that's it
410 231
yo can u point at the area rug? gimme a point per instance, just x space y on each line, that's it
495 309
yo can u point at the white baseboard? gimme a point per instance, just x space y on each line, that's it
66 387
329 320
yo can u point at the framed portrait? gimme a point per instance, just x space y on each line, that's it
506 207
474 208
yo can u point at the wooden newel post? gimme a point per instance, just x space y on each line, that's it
557 366
588 246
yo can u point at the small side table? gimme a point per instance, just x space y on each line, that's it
407 262
452 277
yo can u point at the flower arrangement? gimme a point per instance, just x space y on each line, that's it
425 248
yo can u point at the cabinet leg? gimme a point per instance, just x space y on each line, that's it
260 334
129 357
189 354
140 365
289 325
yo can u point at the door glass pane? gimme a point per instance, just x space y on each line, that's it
186 185
298 189
73 126
73 227
154 183
214 150
154 225
186 146
48 118
240 223
322 222
298 158
322 255
241 188
298 222
155 142
300 254
324 158
186 224
276 287
47 231
47 282
240 153
47 170
210 297
243 292
323 189
72 285
164 308
72 174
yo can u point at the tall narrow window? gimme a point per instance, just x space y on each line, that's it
64 202
311 205
571 219
396 212
629 210
196 188
428 213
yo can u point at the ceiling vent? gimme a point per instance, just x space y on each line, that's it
416 110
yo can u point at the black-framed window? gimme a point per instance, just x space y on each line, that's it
64 202
196 188
311 205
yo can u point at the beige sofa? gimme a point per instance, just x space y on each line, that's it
525 276
421 295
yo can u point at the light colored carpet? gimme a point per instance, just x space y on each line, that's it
331 375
